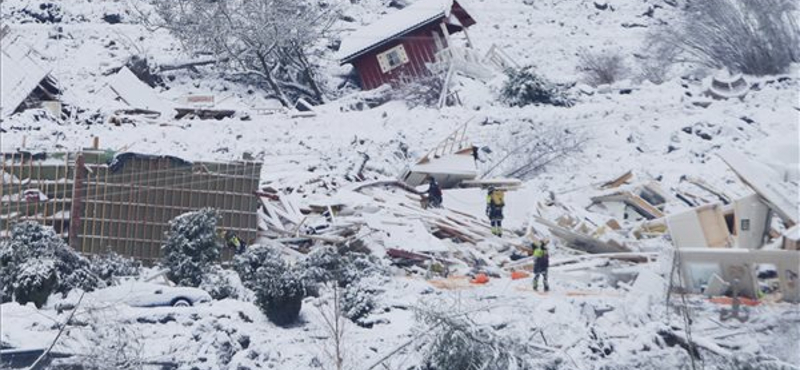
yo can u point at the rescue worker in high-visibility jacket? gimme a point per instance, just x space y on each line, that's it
494 209
541 263
234 242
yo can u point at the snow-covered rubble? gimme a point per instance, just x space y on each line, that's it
602 313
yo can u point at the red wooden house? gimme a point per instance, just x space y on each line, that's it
403 45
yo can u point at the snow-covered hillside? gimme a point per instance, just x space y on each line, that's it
662 132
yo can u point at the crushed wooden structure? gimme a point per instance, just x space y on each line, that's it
123 203
724 246
25 81
737 266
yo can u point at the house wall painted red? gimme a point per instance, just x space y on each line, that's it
420 46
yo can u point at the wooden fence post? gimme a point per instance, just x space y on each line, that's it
76 211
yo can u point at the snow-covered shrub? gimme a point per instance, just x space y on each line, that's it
278 286
601 68
325 264
524 87
248 263
192 246
35 262
322 265
110 266
35 281
221 283
458 343
758 37
347 273
358 301
655 70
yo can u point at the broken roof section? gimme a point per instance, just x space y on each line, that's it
135 93
450 163
21 74
781 196
400 23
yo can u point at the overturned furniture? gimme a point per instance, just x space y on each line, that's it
124 205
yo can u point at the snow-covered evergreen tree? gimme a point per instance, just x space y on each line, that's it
112 265
279 286
222 284
192 246
35 262
325 264
348 272
524 86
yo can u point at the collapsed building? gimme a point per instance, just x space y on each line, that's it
25 81
720 255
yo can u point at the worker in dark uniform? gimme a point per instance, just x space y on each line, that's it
434 194
494 209
541 263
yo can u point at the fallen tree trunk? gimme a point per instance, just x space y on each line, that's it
190 64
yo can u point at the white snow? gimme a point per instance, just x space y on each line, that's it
655 131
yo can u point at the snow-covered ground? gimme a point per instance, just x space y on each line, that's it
653 130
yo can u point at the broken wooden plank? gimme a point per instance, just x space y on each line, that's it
582 242
389 183
415 256
617 182
702 184
641 206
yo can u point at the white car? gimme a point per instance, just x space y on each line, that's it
142 294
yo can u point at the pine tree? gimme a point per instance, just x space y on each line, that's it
192 246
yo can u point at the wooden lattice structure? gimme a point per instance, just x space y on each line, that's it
37 188
125 206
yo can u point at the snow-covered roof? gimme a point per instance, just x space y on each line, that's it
393 25
19 75
137 94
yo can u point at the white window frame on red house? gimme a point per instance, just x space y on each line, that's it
392 58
